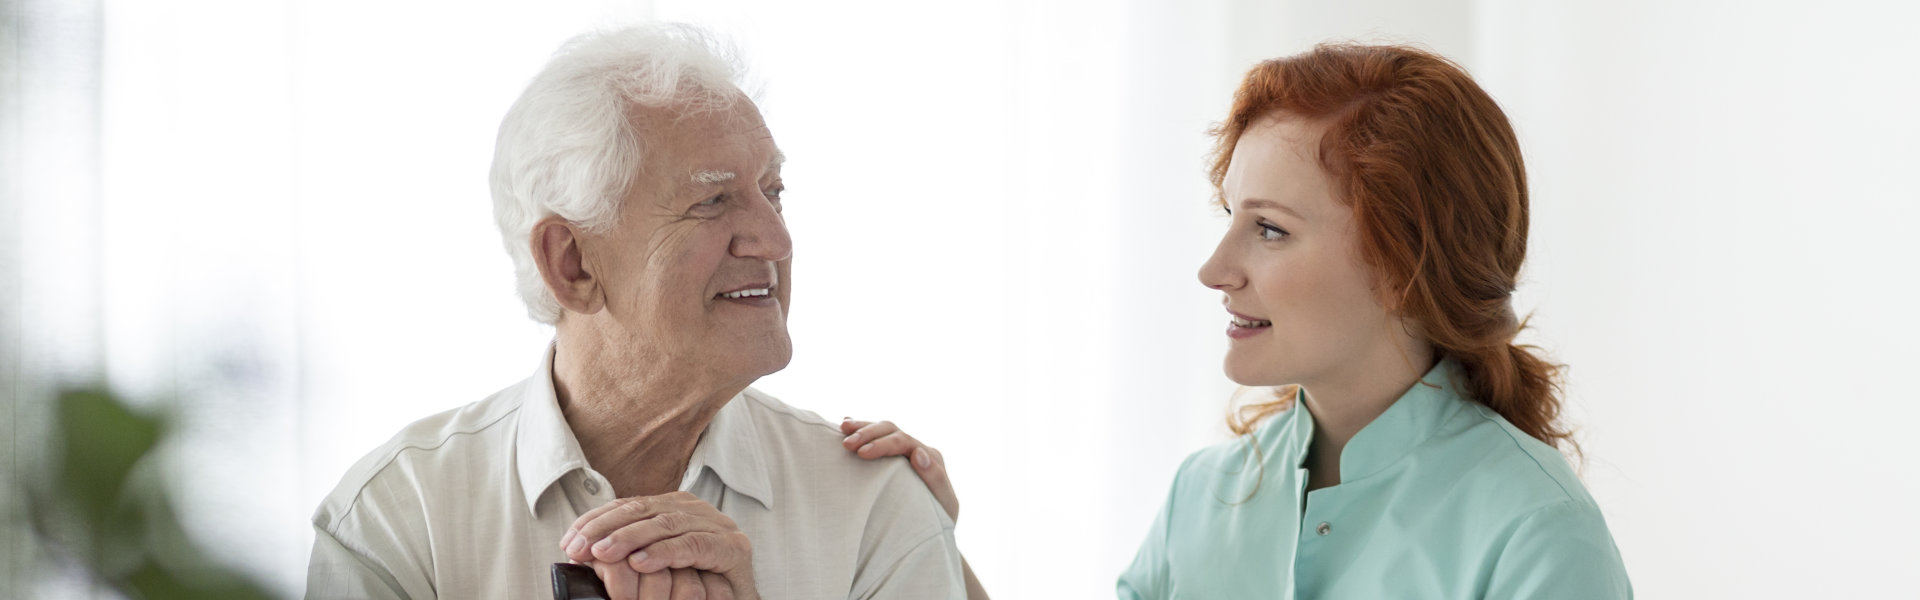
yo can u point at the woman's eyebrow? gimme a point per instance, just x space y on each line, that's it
1264 203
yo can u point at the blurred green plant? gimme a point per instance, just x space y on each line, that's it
103 504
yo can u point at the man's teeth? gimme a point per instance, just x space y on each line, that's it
1239 322
747 293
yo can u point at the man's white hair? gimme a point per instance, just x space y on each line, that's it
569 146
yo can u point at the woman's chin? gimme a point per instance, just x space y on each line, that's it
1253 373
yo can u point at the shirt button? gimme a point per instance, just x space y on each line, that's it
593 487
1324 528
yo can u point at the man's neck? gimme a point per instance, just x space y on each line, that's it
637 418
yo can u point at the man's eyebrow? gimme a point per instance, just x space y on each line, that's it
1269 204
712 177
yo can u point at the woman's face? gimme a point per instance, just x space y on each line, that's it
1304 307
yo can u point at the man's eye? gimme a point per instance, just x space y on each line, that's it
774 194
714 201
1272 234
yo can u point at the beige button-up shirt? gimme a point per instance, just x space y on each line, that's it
471 503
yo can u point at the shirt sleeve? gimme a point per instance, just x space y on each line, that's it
908 551
1147 578
1560 551
335 571
371 549
929 570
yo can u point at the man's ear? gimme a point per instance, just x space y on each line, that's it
556 249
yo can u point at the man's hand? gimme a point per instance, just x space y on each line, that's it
625 583
667 543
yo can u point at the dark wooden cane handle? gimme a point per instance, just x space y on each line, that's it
577 582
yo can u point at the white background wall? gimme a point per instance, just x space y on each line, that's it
998 207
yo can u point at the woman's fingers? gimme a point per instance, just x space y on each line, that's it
876 440
866 434
932 468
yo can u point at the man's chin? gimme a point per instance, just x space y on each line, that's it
771 355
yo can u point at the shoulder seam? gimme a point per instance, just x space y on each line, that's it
1568 495
394 454
760 398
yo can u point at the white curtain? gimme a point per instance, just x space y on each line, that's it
274 220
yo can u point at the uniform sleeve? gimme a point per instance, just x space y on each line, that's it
1560 551
1148 577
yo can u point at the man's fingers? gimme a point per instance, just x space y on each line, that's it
687 585
623 583
654 586
624 541
850 425
717 552
594 526
717 586
573 531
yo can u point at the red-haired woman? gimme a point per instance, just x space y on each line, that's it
1379 221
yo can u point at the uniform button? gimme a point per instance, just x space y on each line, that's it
1324 528
593 487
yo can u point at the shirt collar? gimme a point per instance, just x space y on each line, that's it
731 448
1409 422
546 450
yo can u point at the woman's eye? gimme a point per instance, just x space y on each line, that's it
1272 234
774 194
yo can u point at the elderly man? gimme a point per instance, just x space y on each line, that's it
638 192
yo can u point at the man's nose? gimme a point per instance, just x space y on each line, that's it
764 234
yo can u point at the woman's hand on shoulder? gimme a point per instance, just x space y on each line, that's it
871 440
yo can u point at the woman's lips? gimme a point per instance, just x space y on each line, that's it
1240 326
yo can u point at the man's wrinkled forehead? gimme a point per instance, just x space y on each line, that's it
677 139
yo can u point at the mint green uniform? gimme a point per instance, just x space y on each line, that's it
1439 497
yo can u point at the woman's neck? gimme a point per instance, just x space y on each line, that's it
1347 401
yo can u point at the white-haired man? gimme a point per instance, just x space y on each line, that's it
638 192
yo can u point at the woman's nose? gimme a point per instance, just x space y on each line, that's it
1218 272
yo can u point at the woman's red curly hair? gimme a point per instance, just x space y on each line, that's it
1432 170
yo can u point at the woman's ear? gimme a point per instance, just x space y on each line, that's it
556 250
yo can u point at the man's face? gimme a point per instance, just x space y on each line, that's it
696 271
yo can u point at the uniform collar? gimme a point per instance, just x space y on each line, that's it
545 448
1408 423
